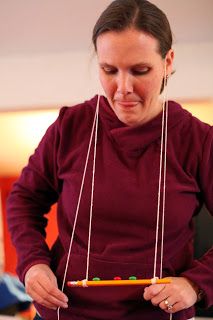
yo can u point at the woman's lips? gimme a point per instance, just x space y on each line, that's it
127 104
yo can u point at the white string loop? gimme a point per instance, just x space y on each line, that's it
162 172
162 175
94 126
92 191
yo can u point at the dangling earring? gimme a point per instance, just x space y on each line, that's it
165 89
166 80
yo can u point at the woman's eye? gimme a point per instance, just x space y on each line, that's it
140 72
109 70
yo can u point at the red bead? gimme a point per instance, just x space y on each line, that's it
117 278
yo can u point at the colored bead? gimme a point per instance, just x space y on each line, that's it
132 278
96 279
117 278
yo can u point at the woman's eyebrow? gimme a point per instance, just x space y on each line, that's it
105 64
137 65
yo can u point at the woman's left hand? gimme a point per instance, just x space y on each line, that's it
180 294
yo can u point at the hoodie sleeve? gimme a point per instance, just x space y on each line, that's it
31 198
201 271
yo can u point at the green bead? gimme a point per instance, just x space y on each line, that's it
132 278
96 279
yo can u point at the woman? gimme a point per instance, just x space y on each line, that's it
108 168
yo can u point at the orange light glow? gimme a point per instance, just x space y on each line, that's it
201 110
20 133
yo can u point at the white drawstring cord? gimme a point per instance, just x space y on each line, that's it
159 197
92 191
164 188
164 138
79 201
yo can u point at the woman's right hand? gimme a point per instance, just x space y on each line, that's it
41 285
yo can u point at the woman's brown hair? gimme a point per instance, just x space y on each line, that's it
141 15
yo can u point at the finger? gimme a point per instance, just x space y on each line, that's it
160 298
37 290
162 295
44 303
48 286
178 307
168 304
151 291
48 294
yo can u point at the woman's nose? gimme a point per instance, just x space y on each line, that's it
124 84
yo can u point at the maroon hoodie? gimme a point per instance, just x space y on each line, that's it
124 209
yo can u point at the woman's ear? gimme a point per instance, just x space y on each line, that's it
169 62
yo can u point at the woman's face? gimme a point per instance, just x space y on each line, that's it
131 72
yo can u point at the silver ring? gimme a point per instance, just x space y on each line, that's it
168 305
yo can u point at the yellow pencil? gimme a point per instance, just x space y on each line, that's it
106 283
